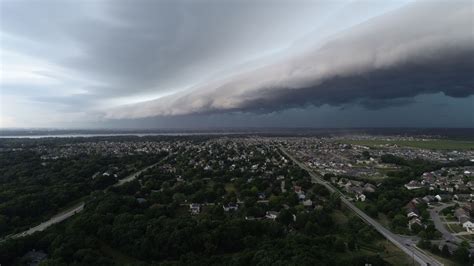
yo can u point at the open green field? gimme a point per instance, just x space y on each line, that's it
229 187
382 247
394 255
435 144
339 217
445 261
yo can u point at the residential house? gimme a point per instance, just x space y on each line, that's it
272 215
195 208
461 215
412 214
428 198
462 197
308 203
443 197
413 222
468 225
360 197
413 185
141 200
230 207
369 188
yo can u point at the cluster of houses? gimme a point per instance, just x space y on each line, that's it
413 213
412 207
392 147
358 188
302 197
332 158
445 179
463 214
196 208
115 148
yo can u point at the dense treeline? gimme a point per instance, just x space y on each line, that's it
161 235
32 189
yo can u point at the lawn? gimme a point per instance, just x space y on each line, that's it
386 250
339 217
445 261
229 187
383 219
393 254
454 228
436 144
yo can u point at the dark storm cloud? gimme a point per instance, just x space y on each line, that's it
426 47
452 75
219 57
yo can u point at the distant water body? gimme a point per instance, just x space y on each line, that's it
118 135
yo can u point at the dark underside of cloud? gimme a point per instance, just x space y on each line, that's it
376 89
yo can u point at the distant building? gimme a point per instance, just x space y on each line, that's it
272 215
369 188
141 200
429 198
462 197
230 207
413 185
195 208
360 197
308 203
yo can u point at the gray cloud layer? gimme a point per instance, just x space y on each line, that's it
427 47
131 47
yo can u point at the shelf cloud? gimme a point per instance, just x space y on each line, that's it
423 48
88 63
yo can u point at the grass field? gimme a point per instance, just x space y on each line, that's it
445 261
394 255
229 187
339 217
435 144
382 247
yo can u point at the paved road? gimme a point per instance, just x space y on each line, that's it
136 174
54 220
407 245
434 213
440 225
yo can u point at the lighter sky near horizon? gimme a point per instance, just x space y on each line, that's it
161 64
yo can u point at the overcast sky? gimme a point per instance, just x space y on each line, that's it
168 64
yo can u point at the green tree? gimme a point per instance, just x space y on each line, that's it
339 245
285 217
